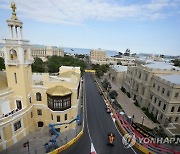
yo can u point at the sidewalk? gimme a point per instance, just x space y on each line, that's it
130 109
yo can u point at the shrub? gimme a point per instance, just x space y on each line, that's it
150 116
143 109
128 94
137 104
113 94
123 89
115 102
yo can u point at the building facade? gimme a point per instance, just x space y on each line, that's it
117 74
43 52
124 60
164 100
98 56
147 84
31 101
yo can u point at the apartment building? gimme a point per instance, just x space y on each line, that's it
98 56
164 101
31 101
43 52
154 84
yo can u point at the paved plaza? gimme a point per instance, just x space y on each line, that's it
37 140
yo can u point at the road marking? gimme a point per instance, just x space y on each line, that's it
93 151
85 104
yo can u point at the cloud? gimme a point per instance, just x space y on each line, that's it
78 11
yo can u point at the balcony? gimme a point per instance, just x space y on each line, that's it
10 116
13 62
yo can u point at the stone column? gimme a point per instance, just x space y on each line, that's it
21 33
16 30
10 31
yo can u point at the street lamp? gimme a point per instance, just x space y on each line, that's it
143 120
26 144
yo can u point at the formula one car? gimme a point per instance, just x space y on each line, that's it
111 138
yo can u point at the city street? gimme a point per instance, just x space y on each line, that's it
99 124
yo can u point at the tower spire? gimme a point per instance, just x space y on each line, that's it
15 25
13 6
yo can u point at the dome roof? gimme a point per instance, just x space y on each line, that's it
58 91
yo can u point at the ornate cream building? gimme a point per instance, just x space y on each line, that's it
29 101
42 51
156 86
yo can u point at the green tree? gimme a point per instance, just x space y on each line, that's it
113 94
99 73
55 62
103 68
123 89
38 65
106 84
100 69
2 65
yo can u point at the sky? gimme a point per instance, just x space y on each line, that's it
143 26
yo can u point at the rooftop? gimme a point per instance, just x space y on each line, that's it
174 78
68 74
37 78
58 91
99 49
161 65
120 68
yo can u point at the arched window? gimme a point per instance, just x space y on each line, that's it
38 96
12 54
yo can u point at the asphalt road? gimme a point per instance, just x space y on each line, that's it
97 126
